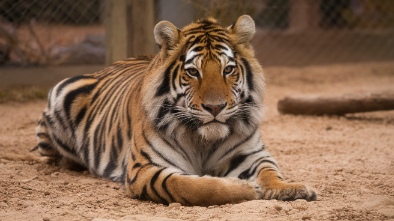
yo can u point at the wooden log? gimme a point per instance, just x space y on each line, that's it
336 105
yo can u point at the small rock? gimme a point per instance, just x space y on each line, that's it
272 211
278 208
28 180
3 205
55 174
90 51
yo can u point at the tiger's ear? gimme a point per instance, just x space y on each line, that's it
244 29
166 35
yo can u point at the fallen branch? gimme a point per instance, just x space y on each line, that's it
339 105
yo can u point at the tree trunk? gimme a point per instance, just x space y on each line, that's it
129 29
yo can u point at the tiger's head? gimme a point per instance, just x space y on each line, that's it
206 78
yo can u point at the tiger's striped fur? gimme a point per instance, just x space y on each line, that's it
182 126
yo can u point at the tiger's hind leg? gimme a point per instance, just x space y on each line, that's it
44 143
46 148
274 187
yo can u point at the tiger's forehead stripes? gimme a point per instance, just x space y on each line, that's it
209 43
221 53
207 38
205 31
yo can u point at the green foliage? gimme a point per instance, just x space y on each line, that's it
23 94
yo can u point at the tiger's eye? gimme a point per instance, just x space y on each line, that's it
193 72
228 70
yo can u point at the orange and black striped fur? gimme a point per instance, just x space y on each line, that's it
182 126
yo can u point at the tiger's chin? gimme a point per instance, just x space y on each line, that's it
213 131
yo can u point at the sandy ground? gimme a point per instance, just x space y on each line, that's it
349 160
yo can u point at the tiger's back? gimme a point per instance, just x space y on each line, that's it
87 118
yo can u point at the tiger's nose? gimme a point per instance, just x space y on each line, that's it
214 109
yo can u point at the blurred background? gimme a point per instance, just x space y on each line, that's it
296 33
291 32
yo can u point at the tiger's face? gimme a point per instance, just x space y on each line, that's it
208 82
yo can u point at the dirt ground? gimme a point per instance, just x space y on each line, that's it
348 159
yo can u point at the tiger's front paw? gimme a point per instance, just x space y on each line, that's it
297 191
289 191
245 190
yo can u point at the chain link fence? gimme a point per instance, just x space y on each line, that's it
290 32
41 32
313 32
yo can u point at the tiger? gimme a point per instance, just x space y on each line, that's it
182 126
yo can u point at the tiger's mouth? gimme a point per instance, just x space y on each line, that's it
214 130
213 122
